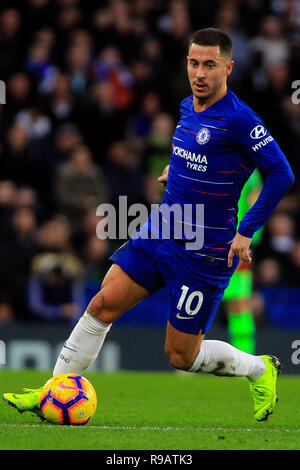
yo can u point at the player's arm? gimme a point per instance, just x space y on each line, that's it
241 245
278 179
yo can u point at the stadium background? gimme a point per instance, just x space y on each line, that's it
92 98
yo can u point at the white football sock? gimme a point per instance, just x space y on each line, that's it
220 358
82 347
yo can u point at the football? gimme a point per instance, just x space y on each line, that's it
68 399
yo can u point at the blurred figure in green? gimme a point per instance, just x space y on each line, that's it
237 296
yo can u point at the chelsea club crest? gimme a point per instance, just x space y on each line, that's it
203 136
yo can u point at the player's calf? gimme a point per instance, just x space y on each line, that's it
181 360
182 348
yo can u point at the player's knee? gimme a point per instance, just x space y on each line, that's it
179 360
99 308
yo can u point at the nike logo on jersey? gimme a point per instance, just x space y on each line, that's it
183 318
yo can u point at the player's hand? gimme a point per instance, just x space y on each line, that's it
241 248
164 177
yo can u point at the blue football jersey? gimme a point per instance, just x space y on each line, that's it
213 154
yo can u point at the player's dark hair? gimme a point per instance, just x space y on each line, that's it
213 37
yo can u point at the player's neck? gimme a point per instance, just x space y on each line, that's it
202 104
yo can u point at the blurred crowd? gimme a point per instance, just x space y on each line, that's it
92 99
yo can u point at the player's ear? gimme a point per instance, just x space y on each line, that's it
229 67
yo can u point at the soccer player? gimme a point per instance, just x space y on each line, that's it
217 144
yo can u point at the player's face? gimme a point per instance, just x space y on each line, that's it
207 70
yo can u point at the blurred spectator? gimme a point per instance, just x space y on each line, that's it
8 195
39 64
293 270
176 29
281 233
289 11
19 250
178 87
16 163
90 222
69 17
10 41
152 53
268 103
101 117
122 28
19 94
35 124
55 235
66 138
95 258
7 201
144 77
45 36
80 184
6 312
108 67
39 13
291 115
102 24
27 198
227 19
157 153
268 273
140 124
272 254
123 172
78 58
55 290
61 101
18 88
87 231
270 47
24 155
24 225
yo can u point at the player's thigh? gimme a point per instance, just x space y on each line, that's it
118 294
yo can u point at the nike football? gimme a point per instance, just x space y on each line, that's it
68 399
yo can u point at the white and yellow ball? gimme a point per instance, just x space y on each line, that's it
68 399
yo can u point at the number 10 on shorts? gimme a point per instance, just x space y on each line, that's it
186 301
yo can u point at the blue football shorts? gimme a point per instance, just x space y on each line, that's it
196 283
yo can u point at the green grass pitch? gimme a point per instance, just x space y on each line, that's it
157 411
